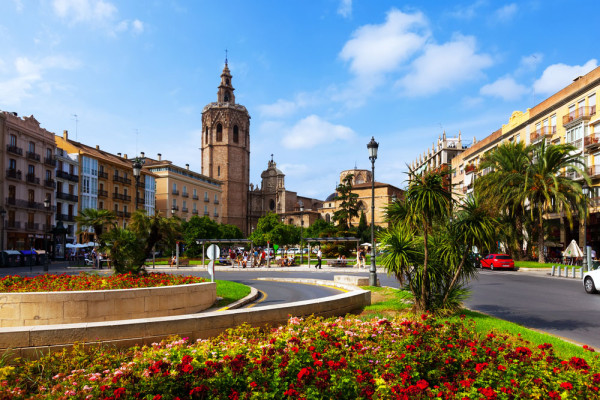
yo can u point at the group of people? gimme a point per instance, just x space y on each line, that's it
361 257
256 257
90 257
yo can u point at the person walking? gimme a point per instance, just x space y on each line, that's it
319 256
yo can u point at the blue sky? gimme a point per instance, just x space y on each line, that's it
319 77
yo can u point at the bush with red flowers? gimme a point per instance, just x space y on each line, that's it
343 358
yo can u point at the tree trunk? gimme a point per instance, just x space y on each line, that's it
541 257
455 278
424 281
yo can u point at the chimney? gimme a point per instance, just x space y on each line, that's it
143 154
187 166
119 154
66 134
125 156
159 157
97 147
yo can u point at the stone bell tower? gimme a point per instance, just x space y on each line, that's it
226 151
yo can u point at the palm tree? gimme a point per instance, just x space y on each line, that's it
547 189
427 200
155 229
95 219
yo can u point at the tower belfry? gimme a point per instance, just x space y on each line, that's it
226 150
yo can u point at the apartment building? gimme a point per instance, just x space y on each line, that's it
441 153
27 190
568 116
67 191
107 181
183 192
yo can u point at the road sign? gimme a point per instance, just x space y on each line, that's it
213 252
211 270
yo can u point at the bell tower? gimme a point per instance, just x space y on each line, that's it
226 151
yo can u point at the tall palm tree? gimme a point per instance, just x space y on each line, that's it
427 200
96 219
547 189
155 229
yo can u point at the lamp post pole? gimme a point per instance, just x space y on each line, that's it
373 146
48 219
584 262
301 233
2 214
137 169
173 210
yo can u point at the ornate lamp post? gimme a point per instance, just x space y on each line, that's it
137 169
301 232
584 264
47 207
373 146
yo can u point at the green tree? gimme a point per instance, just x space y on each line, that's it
198 228
156 231
347 207
125 250
95 219
230 232
264 228
320 228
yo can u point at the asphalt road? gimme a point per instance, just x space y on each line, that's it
554 305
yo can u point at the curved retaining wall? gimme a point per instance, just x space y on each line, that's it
50 308
31 342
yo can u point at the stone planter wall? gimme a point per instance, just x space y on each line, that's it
48 308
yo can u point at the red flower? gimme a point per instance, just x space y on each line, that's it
422 384
566 385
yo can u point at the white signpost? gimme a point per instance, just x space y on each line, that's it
212 252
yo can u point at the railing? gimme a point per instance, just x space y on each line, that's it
32 156
102 174
206 200
206 213
121 179
31 178
13 174
216 214
102 193
594 202
542 133
14 149
32 226
195 212
176 208
141 200
195 197
216 201
50 161
579 113
591 140
185 194
184 209
175 192
12 224
574 175
123 214
65 217
141 185
49 183
12 201
594 170
469 169
67 176
67 196
119 196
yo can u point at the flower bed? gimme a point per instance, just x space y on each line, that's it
83 281
341 358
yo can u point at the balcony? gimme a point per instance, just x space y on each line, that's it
206 213
594 202
31 178
573 175
67 176
216 201
49 183
65 218
102 174
32 226
579 114
122 179
195 212
141 185
123 214
67 196
51 161
195 197
176 208
141 200
32 156
13 174
175 192
12 224
469 169
185 194
216 214
102 193
464 189
119 196
14 150
592 141
594 171
206 200
184 209
545 132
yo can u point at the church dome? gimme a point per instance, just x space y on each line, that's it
331 197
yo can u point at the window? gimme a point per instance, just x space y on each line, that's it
13 140
592 104
219 133
174 204
32 147
206 196
553 123
216 198
12 164
184 190
205 209
30 195
195 193
174 187
219 170
226 97
31 170
206 135
49 154
48 175
236 134
184 205
194 207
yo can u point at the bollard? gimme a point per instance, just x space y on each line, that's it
566 272
580 272
553 269
559 270
573 272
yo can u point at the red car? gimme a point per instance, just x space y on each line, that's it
497 261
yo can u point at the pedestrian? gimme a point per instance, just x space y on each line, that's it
357 258
262 257
362 259
245 260
319 256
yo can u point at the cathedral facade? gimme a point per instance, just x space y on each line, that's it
226 157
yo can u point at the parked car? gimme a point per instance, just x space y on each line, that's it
591 280
497 261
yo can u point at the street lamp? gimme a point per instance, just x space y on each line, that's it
2 215
373 146
137 169
49 219
584 264
301 232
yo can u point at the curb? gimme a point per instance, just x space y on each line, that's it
254 294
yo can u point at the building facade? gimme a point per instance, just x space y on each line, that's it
568 116
185 193
67 192
29 182
226 151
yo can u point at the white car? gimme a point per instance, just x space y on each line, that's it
591 281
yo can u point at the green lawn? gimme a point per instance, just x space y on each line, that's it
230 292
535 264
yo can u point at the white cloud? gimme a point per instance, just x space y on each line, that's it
530 62
28 78
313 131
137 26
506 88
376 49
444 66
85 10
284 108
18 5
345 8
468 12
557 76
507 12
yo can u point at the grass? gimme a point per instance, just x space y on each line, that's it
388 302
535 264
230 292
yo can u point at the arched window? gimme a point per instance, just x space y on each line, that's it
272 204
226 97
219 170
236 134
206 136
219 133
327 218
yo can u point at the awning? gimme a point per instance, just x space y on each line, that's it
12 252
28 252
